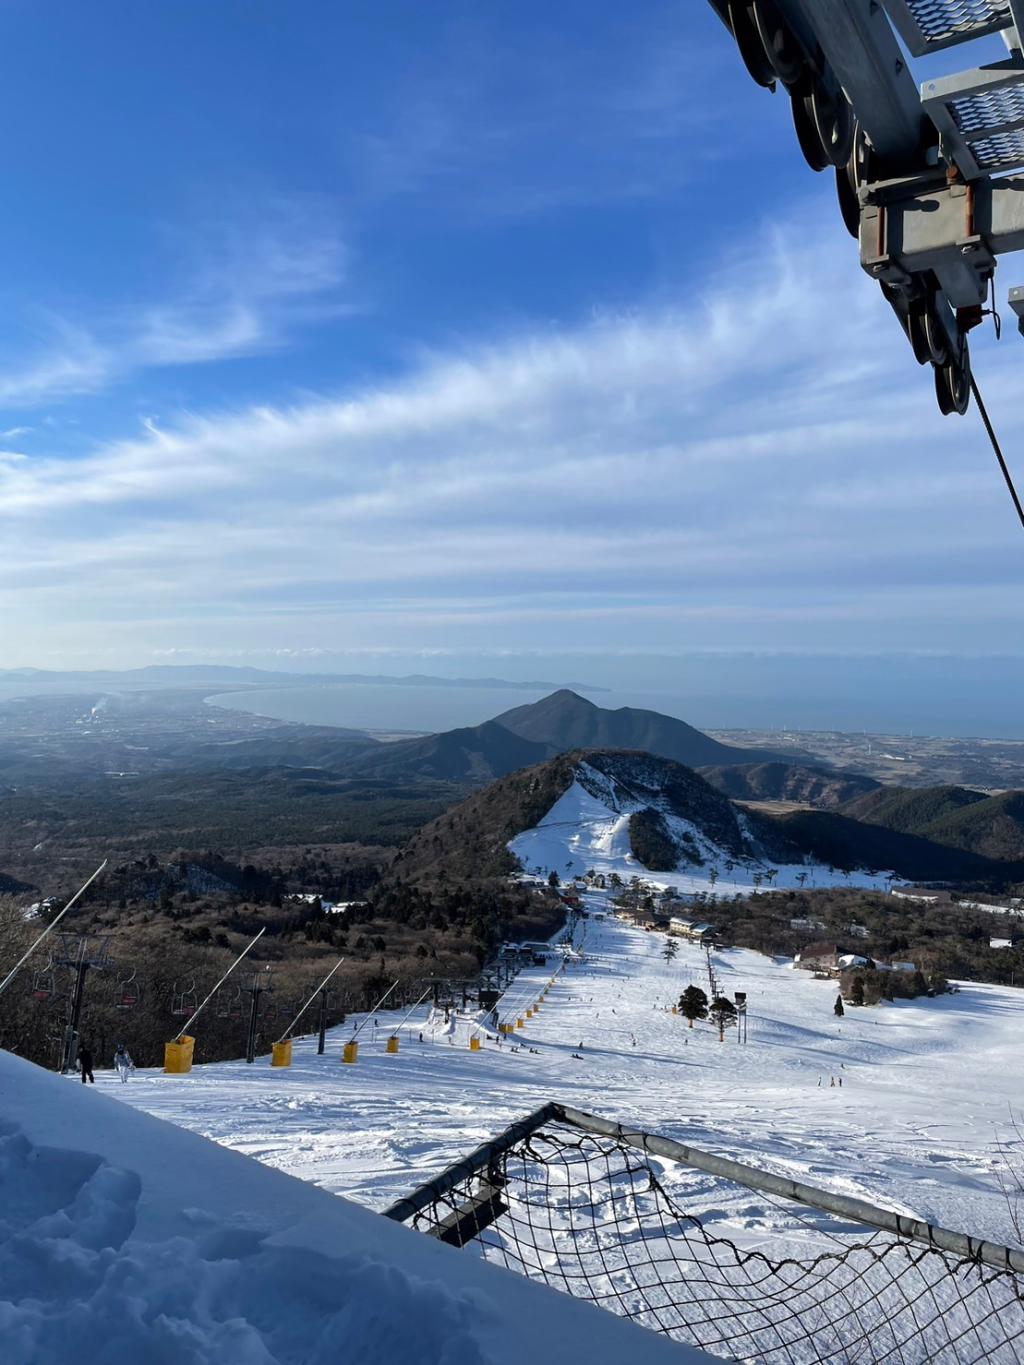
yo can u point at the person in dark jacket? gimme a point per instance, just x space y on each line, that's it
85 1063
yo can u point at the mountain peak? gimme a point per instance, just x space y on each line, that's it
565 720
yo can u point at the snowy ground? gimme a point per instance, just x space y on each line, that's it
581 833
916 1125
123 1239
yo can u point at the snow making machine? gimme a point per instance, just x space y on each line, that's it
924 175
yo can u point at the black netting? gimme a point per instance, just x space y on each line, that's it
598 1219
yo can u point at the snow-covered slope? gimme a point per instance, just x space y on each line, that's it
588 828
125 1239
918 1124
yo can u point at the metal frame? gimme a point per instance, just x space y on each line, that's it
840 1205
918 189
957 107
919 44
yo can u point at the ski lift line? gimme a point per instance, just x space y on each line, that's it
413 1007
997 448
309 1002
49 929
185 1028
375 1009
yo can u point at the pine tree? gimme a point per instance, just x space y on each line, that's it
693 1004
857 991
723 1012
839 1011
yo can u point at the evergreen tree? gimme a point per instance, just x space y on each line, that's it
553 879
723 1012
693 1004
857 991
839 1011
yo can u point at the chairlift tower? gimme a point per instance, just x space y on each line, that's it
260 981
928 178
79 953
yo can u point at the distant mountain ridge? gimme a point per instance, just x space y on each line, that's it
474 753
570 721
528 734
673 818
828 790
232 675
956 817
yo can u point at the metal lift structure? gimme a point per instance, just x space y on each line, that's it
925 175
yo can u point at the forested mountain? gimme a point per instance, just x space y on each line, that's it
567 721
990 826
667 817
789 782
476 753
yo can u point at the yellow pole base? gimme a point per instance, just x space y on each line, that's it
281 1053
178 1056
349 1053
392 1043
520 1023
474 1044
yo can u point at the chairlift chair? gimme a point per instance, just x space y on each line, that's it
43 983
229 1006
128 992
184 1002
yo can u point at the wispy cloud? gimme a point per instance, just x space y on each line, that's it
238 290
763 469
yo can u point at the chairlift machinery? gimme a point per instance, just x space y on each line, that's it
925 177
80 953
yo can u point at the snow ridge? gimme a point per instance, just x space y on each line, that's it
587 829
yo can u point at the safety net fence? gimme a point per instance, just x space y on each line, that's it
749 1265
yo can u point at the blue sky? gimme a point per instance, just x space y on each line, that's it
393 332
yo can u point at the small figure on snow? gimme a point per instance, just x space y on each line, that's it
85 1065
839 1011
123 1063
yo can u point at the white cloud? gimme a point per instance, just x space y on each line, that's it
235 291
763 468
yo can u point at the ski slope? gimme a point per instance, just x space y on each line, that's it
916 1125
123 1239
582 833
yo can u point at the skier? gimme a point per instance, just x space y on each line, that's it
123 1063
85 1063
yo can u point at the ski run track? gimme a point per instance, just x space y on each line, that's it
921 1123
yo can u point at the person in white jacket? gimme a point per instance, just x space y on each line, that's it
123 1063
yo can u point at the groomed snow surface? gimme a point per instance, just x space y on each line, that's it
582 833
160 1239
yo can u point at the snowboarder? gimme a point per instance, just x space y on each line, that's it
123 1063
85 1064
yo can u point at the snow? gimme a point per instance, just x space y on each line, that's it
583 832
917 1125
124 1238
113 1218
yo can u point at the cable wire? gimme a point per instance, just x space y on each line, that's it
996 447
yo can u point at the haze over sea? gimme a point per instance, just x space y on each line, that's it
921 695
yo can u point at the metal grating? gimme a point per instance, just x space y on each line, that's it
929 25
978 115
1002 152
